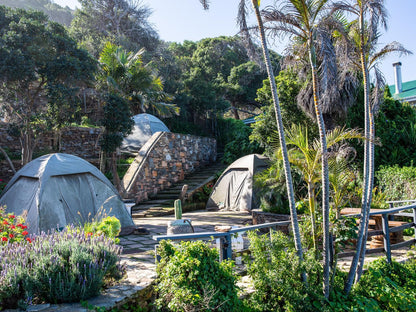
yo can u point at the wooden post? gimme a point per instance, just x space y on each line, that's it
386 234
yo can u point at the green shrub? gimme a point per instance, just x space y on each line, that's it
392 286
276 275
66 266
271 191
190 278
397 183
396 131
2 185
109 226
238 143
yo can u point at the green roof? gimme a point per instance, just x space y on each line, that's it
408 90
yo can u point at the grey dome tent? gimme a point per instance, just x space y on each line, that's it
145 125
60 189
234 188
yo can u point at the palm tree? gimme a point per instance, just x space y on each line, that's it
124 73
306 155
303 20
288 175
364 36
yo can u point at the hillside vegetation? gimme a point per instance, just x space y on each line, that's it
54 11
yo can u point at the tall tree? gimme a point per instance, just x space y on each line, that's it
304 19
37 57
288 174
364 34
129 87
282 140
123 22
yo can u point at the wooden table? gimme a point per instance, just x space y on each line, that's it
376 240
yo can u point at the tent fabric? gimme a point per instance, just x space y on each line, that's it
145 125
60 189
234 188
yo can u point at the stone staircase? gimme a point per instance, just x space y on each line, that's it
161 204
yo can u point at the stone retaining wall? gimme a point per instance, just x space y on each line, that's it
81 142
165 159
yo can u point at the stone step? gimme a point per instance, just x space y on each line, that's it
161 204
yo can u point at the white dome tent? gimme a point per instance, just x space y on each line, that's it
60 189
145 125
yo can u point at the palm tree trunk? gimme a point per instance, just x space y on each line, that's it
325 171
288 175
365 207
311 198
369 192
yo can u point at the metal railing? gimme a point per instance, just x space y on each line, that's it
225 238
386 230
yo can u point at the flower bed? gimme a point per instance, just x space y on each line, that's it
66 266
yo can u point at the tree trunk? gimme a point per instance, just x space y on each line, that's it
8 160
116 177
27 147
311 197
235 113
370 183
325 172
365 206
288 175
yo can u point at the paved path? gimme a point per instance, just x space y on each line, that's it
142 246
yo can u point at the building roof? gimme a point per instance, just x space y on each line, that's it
408 91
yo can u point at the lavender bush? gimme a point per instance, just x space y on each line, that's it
66 266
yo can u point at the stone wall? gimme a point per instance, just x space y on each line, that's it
165 159
82 142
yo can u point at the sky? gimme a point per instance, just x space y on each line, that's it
179 20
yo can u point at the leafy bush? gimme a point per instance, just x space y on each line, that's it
392 286
12 228
271 191
238 143
396 131
276 275
397 182
265 128
109 226
192 279
66 266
